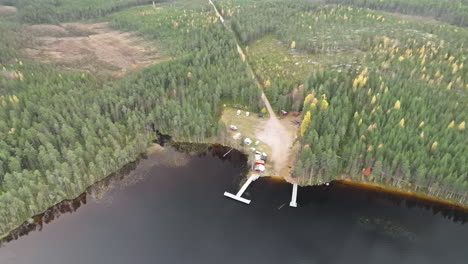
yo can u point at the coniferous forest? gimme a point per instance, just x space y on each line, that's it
62 131
383 99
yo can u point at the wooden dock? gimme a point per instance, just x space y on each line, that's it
238 196
293 202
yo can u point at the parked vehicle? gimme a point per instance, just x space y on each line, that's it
259 167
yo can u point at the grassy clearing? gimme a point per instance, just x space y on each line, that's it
282 69
450 11
248 126
271 59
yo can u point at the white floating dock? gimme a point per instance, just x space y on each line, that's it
293 202
242 190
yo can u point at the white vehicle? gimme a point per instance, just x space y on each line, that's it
233 127
259 167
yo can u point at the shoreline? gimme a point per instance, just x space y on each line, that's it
377 188
402 193
198 148
35 222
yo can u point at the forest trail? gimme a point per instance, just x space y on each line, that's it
273 132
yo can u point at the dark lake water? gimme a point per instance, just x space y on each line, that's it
178 214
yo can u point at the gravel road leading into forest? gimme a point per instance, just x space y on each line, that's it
273 133
280 140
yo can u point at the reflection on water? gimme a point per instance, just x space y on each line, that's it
171 212
37 222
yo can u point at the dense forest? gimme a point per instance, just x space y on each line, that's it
383 99
55 11
312 30
386 98
62 131
450 11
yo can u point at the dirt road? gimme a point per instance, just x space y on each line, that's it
280 140
273 132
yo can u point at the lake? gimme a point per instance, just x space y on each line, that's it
171 209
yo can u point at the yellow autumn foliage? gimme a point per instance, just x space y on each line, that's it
308 99
397 104
451 125
372 127
314 103
434 145
401 123
324 104
13 99
449 86
361 79
461 126
293 45
305 123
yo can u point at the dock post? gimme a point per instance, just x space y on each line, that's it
293 202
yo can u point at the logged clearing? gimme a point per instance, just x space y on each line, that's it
7 9
275 61
424 19
91 47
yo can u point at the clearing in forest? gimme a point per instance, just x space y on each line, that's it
7 9
282 69
91 47
275 136
278 136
